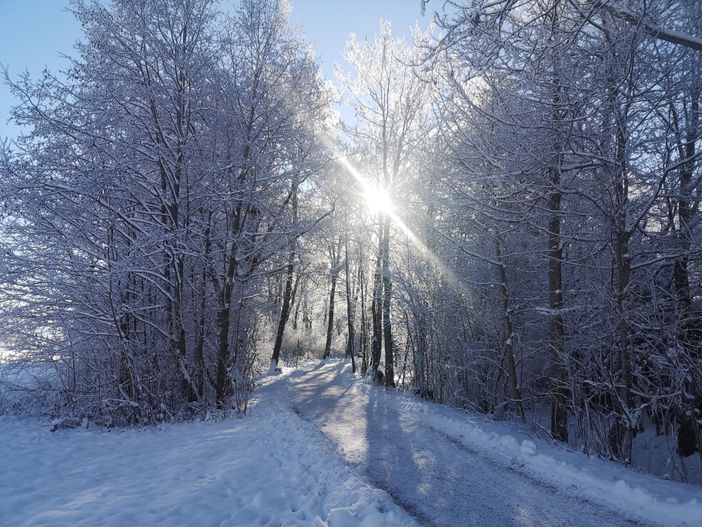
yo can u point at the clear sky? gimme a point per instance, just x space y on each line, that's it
34 34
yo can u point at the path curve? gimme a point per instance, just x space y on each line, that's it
432 475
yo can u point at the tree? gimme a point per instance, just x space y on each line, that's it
158 186
390 105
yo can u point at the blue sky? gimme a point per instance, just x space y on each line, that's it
35 33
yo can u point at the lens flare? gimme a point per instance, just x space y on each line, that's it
378 199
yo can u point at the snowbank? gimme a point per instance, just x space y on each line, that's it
637 495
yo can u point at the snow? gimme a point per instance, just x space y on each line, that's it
463 461
637 495
24 385
270 468
654 453
321 447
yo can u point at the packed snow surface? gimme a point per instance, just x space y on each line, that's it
451 468
270 468
321 447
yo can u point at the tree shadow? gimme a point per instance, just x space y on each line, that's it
426 470
393 463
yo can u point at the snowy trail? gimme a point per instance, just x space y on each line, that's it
428 469
278 467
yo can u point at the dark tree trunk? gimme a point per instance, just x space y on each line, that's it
284 310
376 315
287 291
508 329
559 394
350 308
364 324
387 297
330 316
686 211
223 382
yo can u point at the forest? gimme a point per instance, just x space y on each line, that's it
508 224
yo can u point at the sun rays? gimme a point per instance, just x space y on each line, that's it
378 200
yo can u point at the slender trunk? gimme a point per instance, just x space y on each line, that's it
623 263
685 214
387 297
284 310
622 434
508 329
200 344
364 324
559 392
559 416
287 291
350 309
223 386
376 313
689 327
330 319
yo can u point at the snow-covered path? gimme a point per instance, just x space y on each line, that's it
276 468
430 468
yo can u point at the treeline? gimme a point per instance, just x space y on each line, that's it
529 241
510 224
144 211
574 132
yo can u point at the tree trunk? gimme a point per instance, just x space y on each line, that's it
330 317
376 313
508 329
364 324
223 383
284 310
350 309
686 210
200 344
559 393
387 297
287 291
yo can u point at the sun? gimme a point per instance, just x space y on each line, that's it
378 200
